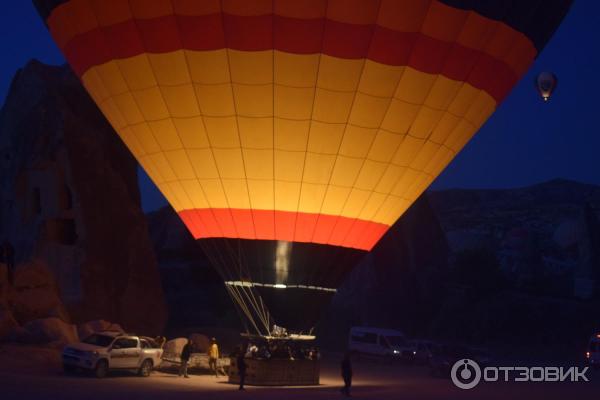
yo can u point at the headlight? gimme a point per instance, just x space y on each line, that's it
396 352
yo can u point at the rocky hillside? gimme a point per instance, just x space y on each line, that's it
541 208
551 224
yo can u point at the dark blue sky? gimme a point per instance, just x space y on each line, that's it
526 141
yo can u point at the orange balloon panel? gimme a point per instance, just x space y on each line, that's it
317 121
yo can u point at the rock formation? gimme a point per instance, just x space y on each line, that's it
397 284
51 330
69 195
542 232
194 291
7 322
34 293
88 328
587 271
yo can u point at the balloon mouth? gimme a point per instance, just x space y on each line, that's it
279 286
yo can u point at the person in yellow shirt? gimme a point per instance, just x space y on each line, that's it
213 356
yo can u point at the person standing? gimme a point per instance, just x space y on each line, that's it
186 352
346 368
213 356
241 367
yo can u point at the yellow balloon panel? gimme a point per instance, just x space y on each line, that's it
231 131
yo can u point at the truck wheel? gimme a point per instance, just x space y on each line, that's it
101 369
146 368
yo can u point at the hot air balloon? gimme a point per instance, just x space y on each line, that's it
545 83
290 135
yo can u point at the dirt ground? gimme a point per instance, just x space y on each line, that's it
33 373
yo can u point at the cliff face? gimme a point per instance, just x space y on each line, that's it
69 194
587 272
398 283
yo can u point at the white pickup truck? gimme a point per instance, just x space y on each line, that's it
105 351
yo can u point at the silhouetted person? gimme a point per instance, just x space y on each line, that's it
213 356
346 367
186 352
241 366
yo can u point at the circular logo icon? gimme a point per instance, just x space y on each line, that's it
465 374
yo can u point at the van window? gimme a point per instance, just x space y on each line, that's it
364 337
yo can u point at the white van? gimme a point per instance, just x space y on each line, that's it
593 351
380 342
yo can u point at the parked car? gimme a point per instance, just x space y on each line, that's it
387 343
424 350
105 351
592 354
445 356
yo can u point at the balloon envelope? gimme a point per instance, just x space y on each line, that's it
296 130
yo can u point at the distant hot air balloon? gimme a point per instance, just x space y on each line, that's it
290 135
545 83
